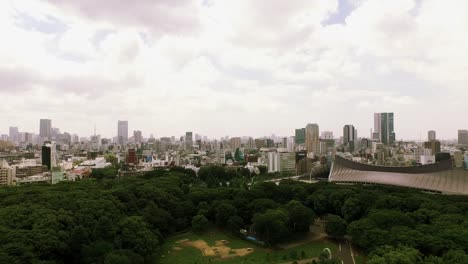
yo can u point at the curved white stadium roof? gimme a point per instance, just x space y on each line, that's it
452 181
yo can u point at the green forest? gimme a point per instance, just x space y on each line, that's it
108 220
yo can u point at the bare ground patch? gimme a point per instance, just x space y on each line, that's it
221 248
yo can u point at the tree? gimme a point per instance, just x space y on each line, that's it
455 257
335 226
235 223
351 209
271 226
223 212
300 216
104 173
199 223
238 156
400 255
135 234
112 159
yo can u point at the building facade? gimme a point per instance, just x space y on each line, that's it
384 129
48 156
463 137
326 135
312 139
6 173
431 135
433 145
188 140
122 132
349 137
137 136
300 136
235 142
45 129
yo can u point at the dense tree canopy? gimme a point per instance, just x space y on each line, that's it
110 220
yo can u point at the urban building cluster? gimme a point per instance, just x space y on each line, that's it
52 156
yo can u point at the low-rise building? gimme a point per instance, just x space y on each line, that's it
458 159
283 162
7 173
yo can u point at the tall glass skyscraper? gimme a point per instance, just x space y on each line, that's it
384 129
300 136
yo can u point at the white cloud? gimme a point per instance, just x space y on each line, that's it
237 67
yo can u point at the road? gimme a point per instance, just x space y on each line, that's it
345 252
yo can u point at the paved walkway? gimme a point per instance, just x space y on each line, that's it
345 252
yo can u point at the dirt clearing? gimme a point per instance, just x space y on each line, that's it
221 248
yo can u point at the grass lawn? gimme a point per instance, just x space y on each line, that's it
190 255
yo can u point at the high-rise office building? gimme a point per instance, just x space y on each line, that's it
137 136
384 128
348 134
431 135
300 136
49 158
349 137
45 129
13 135
312 139
463 137
188 140
122 132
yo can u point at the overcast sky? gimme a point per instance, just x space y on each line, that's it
240 67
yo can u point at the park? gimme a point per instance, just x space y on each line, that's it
218 246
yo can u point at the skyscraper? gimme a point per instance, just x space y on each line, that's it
13 134
384 128
122 132
45 129
312 140
431 135
463 137
138 137
349 137
188 140
48 155
300 136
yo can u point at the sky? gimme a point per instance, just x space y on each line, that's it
237 68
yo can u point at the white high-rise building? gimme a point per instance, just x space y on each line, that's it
122 132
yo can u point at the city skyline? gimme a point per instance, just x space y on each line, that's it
123 128
326 62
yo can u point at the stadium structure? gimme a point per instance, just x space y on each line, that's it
439 177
